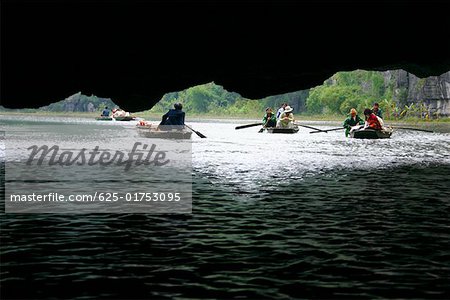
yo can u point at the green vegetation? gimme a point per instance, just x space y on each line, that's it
213 100
360 89
345 90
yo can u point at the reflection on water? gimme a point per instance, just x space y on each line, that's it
274 216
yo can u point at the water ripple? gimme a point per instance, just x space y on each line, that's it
314 216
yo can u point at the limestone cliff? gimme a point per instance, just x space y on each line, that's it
79 103
434 91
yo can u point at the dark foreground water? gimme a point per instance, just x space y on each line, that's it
319 219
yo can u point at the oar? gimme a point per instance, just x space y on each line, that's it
196 132
415 129
263 128
310 127
333 129
248 125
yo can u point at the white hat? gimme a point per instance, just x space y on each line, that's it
288 109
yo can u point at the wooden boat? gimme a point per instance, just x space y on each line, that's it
144 125
166 134
127 118
282 130
370 133
104 119
139 126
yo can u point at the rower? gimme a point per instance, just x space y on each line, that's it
269 119
352 120
174 117
105 112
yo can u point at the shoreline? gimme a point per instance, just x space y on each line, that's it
440 125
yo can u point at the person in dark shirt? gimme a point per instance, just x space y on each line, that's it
377 110
105 112
174 117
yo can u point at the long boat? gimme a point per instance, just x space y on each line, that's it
127 118
144 125
370 133
165 134
140 126
104 119
282 130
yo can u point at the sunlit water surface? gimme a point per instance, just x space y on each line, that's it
274 216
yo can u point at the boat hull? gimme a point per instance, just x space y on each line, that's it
163 134
145 127
104 119
370 134
129 118
282 130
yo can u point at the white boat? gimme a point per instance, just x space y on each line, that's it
282 130
165 134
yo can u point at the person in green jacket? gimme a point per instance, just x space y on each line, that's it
377 110
269 119
351 121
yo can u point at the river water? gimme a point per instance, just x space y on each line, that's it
273 216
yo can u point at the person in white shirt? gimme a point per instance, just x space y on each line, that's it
281 110
119 113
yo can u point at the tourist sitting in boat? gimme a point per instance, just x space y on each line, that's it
105 112
269 119
377 110
351 121
117 112
287 118
281 110
144 124
372 120
174 117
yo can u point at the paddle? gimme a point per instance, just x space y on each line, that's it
415 129
310 127
264 127
333 129
248 125
196 132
